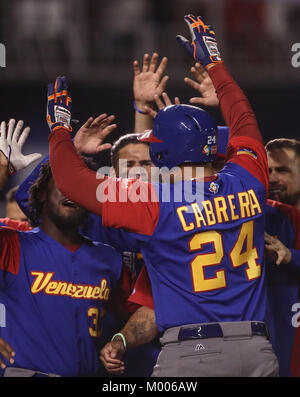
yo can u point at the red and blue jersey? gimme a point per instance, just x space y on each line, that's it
205 257
139 361
55 298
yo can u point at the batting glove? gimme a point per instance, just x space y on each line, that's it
12 140
204 45
59 105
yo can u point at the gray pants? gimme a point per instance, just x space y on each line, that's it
15 372
238 353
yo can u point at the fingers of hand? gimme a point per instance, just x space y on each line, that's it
162 66
162 84
146 63
106 122
150 111
136 68
18 129
105 146
159 102
153 62
88 123
166 98
23 136
99 120
10 129
7 352
192 83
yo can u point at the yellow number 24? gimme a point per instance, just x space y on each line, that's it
237 255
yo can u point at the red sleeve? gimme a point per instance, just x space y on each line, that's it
243 129
10 250
142 293
235 106
17 225
72 177
251 155
130 204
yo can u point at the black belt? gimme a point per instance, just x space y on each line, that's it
215 331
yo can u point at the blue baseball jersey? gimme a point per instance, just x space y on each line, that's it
54 300
204 256
139 361
282 282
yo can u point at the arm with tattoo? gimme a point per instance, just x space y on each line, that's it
140 329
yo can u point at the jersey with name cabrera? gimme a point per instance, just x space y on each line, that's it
205 264
55 298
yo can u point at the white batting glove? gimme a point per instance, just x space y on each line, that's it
12 139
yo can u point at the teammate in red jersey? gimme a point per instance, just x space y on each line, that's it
204 256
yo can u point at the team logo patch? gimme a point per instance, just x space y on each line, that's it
214 187
206 150
247 151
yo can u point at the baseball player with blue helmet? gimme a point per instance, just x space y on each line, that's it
204 249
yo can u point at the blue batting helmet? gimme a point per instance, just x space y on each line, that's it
182 134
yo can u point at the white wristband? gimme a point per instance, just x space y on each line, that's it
122 336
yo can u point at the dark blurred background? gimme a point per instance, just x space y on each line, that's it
94 42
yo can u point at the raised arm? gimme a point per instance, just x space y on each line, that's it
202 83
148 81
245 144
100 194
12 159
235 106
12 140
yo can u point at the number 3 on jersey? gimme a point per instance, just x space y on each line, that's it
237 255
95 330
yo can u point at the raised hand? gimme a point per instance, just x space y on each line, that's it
204 85
12 139
59 105
90 136
148 80
203 47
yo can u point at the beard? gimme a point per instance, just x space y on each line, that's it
283 197
63 222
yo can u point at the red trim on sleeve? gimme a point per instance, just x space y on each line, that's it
142 293
235 106
254 160
10 250
22 226
240 118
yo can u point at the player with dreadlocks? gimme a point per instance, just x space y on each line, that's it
41 271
